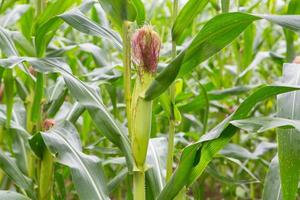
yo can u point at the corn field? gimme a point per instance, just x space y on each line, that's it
149 99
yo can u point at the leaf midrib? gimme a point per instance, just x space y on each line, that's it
77 156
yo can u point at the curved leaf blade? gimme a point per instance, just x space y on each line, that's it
122 10
10 195
102 119
288 139
141 12
63 141
8 165
197 156
216 34
156 159
79 21
272 185
86 96
262 124
186 17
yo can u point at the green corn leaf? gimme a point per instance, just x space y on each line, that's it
9 94
272 185
262 124
225 4
100 116
49 15
53 9
63 141
212 170
156 161
112 185
8 47
121 10
216 34
197 156
79 21
56 98
141 12
10 195
237 152
13 15
47 26
293 8
85 95
8 165
186 17
75 112
288 139
15 123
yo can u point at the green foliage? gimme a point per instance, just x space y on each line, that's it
67 100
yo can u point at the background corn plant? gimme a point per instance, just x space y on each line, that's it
66 80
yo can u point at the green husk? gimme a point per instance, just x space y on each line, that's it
141 119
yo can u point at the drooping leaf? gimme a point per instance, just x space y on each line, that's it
8 47
140 12
197 156
10 195
216 34
288 139
56 97
85 95
272 185
186 17
15 123
8 165
13 15
156 161
112 185
53 9
63 141
49 23
262 124
79 21
100 116
237 151
211 169
121 10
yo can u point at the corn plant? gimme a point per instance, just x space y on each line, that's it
140 99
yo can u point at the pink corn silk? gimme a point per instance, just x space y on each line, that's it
145 47
48 123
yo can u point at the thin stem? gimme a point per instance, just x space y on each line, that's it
206 110
46 177
170 150
46 163
172 98
127 71
40 6
9 95
181 194
36 115
139 185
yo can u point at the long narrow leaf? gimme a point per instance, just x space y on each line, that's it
272 185
288 139
10 195
186 16
262 124
79 21
197 156
63 141
214 36
8 165
85 95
